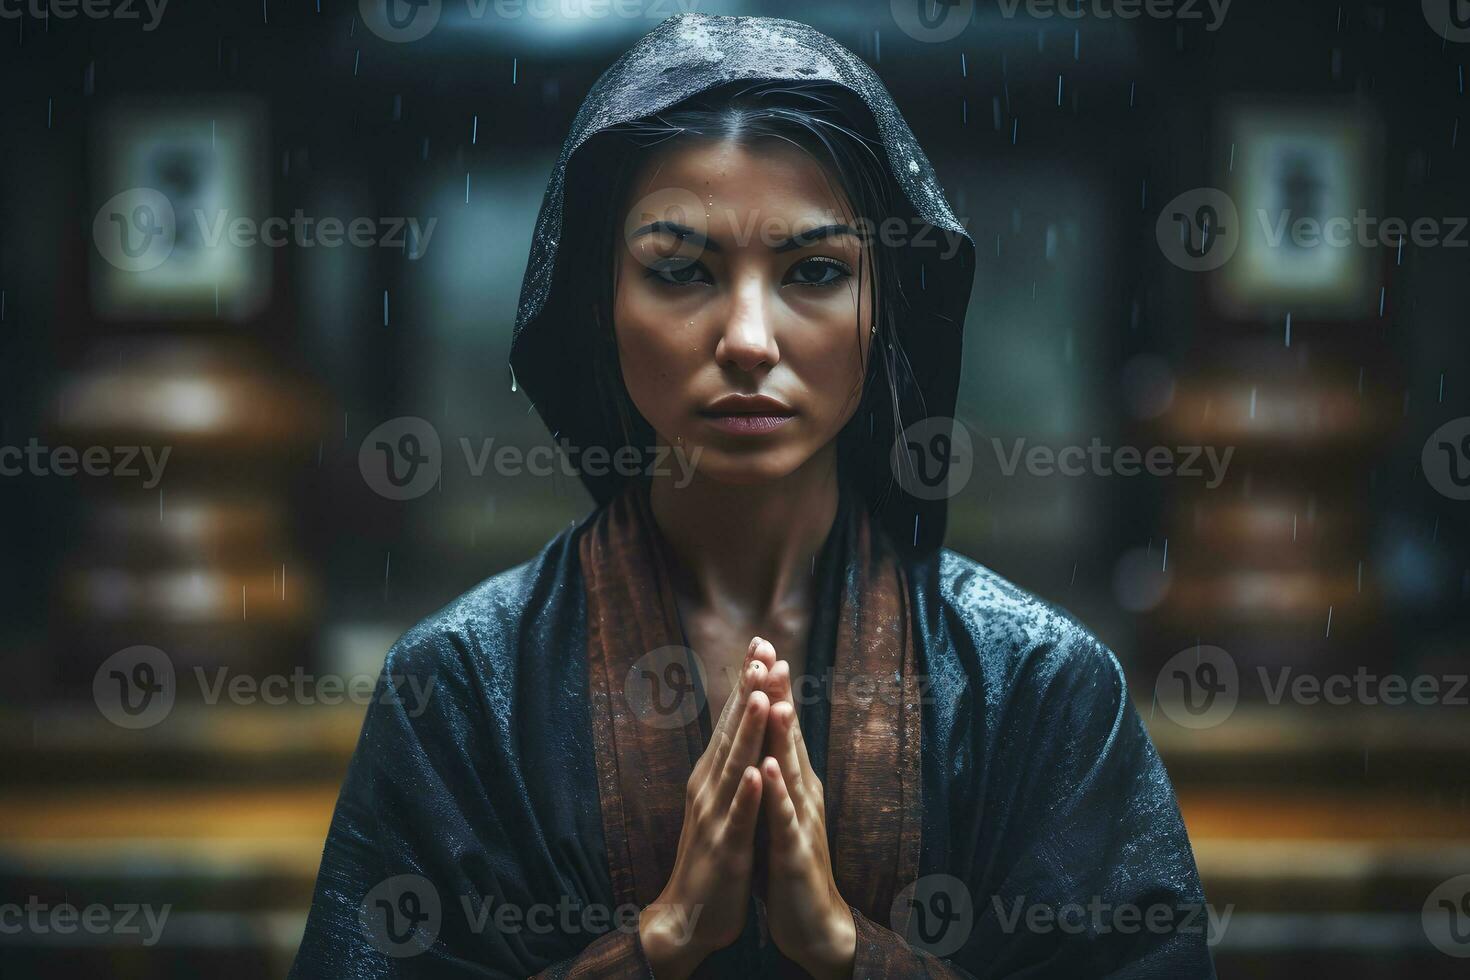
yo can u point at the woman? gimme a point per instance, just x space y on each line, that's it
749 718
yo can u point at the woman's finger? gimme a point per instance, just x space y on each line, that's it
778 683
783 743
751 680
744 807
780 809
737 689
746 749
733 701
761 649
809 776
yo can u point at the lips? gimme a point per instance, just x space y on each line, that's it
740 404
740 414
749 424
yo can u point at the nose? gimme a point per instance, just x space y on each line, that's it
749 339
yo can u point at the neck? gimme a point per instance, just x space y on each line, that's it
747 550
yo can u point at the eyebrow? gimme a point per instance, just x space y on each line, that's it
804 239
681 232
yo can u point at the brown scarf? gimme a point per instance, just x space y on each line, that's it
873 770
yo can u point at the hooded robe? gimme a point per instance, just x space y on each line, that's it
994 805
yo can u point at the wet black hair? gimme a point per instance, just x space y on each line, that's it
836 129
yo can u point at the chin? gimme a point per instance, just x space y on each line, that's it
748 467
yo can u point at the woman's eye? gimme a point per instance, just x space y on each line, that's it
679 272
819 271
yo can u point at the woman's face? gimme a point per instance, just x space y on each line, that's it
740 324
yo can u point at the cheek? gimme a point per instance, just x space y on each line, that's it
654 364
832 352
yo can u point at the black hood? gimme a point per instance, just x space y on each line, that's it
684 56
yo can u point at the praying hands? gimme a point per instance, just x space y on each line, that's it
755 767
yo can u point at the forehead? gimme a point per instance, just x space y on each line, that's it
766 175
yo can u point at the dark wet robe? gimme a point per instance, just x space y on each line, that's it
1002 774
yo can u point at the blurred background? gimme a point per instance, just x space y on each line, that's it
194 400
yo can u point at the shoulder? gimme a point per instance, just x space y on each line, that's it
479 632
1014 639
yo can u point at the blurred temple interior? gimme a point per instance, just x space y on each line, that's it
1319 547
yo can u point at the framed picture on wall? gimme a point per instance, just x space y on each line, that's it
178 192
1305 183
